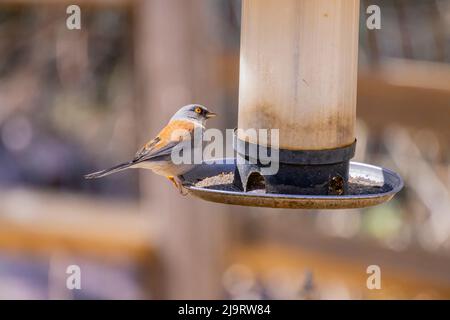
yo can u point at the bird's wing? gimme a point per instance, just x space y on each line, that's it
172 134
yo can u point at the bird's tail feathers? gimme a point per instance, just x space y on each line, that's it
109 171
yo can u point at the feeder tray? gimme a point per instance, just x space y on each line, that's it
368 186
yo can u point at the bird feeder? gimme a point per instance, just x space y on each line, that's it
298 74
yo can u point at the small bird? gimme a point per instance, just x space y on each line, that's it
156 154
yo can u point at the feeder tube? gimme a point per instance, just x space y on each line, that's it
298 71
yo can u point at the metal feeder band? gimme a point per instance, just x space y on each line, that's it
314 172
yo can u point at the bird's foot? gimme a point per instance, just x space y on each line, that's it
178 184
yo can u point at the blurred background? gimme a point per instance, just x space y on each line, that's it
74 101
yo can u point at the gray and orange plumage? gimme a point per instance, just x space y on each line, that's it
156 154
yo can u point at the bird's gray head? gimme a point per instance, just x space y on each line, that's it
194 112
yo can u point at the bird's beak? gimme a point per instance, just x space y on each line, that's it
210 115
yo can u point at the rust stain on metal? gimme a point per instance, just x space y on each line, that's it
288 202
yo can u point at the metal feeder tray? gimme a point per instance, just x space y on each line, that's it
380 186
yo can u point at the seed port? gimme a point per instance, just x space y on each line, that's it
255 181
336 186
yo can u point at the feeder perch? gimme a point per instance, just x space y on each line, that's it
298 74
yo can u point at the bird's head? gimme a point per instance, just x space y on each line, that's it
194 112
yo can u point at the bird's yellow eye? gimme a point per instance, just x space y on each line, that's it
198 110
